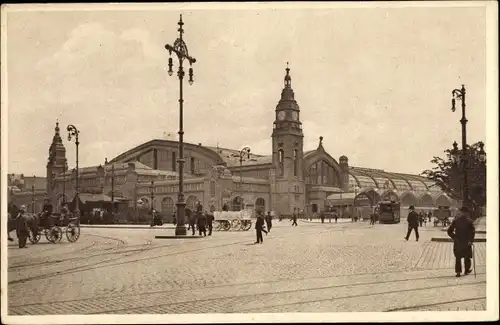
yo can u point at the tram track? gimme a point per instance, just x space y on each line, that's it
260 296
275 281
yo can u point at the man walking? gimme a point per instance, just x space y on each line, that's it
22 228
412 223
462 231
192 221
294 218
259 228
269 221
210 220
202 222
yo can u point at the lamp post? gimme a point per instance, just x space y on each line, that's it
245 151
33 197
460 95
73 132
152 190
180 49
220 172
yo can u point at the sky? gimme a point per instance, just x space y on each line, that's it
374 82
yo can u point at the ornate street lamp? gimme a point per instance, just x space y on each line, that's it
152 191
73 132
245 151
180 49
460 95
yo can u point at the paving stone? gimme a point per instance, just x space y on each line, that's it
310 268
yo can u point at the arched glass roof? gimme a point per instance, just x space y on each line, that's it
418 186
363 181
401 185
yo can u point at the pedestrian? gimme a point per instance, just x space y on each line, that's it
22 227
259 228
322 217
269 221
210 221
294 218
202 223
412 223
192 221
462 231
174 219
335 216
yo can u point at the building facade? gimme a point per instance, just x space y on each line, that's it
286 180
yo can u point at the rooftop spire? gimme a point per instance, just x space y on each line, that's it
57 127
288 79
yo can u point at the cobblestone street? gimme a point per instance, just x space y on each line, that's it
344 267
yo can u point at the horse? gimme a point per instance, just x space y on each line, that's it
32 220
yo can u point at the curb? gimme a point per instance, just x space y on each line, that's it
178 237
449 240
477 231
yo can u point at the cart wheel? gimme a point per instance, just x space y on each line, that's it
217 225
35 238
72 233
248 225
54 234
226 226
236 224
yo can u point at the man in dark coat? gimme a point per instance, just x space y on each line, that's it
259 228
462 231
202 223
22 227
192 221
412 223
269 221
294 218
210 220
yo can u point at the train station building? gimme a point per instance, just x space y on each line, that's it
286 179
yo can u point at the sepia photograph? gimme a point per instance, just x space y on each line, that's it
249 162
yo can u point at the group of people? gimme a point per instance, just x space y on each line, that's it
200 220
461 230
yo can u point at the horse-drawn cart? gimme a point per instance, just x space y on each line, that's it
443 215
232 220
53 226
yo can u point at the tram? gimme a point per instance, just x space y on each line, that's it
389 212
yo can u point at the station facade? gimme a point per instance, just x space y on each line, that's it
287 179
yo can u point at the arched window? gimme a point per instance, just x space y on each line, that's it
280 160
237 204
167 206
295 162
260 205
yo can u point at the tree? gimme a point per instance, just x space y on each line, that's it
448 175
